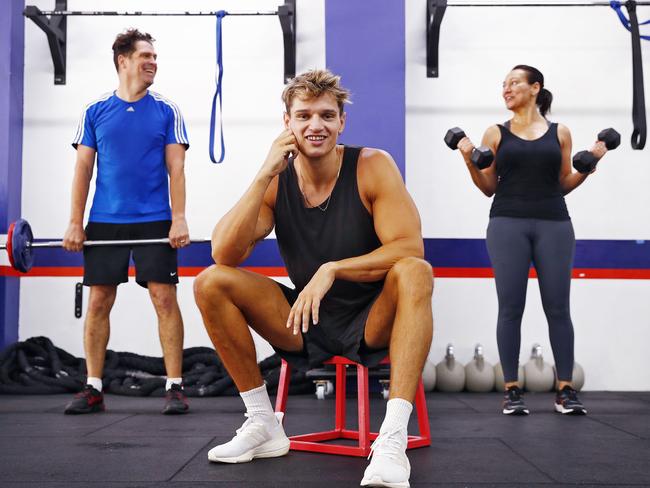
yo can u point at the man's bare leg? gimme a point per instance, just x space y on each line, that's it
96 333
229 300
97 327
170 326
171 333
402 319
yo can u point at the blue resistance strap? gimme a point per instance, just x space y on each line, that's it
217 94
624 20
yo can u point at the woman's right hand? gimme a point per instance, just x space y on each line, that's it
466 147
278 156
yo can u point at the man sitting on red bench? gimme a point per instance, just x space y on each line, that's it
350 236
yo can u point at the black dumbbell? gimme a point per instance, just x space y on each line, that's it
585 161
482 156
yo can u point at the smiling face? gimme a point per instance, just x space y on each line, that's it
517 92
316 124
140 65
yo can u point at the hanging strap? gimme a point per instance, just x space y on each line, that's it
217 95
617 6
639 132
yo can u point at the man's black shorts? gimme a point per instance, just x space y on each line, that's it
109 265
338 333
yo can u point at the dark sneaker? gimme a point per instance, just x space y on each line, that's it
566 402
88 400
175 402
513 402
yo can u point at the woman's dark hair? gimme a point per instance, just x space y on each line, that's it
125 43
544 97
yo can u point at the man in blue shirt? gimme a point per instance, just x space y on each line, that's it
140 141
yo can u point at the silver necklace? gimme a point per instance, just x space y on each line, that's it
323 206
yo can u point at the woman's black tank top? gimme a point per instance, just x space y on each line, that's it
528 173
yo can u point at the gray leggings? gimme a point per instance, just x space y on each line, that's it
513 244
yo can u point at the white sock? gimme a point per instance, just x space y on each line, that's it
173 381
258 404
398 412
96 383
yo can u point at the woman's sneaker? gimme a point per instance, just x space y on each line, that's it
88 400
567 402
513 402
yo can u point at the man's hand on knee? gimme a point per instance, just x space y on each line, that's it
307 305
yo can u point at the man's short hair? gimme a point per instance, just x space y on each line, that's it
313 84
125 43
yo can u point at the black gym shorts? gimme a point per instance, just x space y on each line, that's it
109 265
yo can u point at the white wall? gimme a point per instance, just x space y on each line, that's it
584 53
586 58
252 84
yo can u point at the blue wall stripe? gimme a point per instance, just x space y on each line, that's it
448 253
12 54
369 55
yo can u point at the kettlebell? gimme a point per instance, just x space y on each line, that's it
539 375
479 374
499 382
429 375
578 376
450 374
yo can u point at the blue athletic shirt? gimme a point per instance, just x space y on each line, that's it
132 180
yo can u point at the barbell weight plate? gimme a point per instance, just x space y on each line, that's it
23 257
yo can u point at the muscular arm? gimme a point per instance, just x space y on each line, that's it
486 179
83 173
175 160
251 219
396 220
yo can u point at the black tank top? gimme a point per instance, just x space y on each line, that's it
309 237
528 175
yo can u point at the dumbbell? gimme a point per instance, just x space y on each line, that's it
585 161
482 156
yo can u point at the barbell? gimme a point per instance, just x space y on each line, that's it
20 244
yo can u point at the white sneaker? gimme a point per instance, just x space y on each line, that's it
389 465
254 439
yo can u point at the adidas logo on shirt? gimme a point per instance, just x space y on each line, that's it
130 109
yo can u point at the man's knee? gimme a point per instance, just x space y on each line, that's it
413 276
163 297
213 283
100 302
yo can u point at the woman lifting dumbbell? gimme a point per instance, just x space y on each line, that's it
529 222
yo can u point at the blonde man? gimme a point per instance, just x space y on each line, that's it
349 234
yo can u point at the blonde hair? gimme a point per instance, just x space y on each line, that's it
313 84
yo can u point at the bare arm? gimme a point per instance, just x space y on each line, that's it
395 217
175 160
83 173
486 179
251 219
569 179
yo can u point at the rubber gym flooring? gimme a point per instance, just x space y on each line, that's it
473 444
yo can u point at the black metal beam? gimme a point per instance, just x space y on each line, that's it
435 12
287 16
56 29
